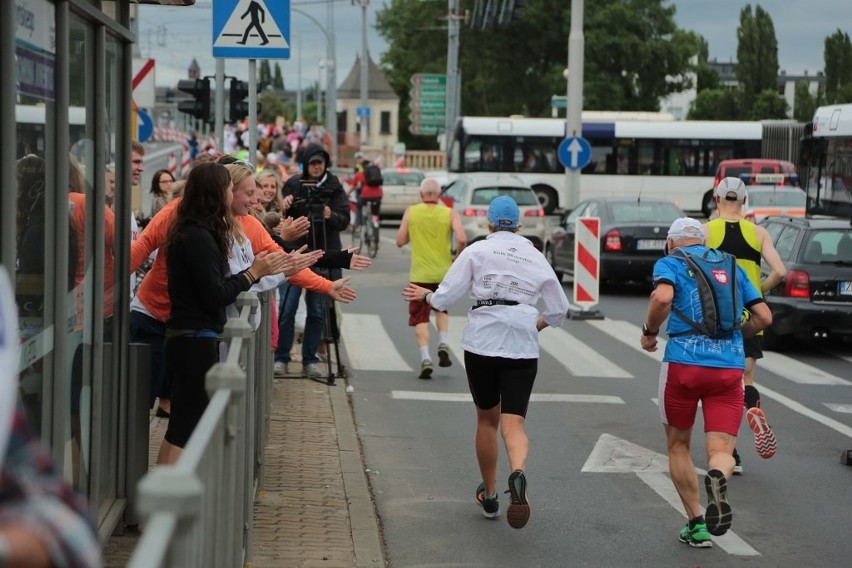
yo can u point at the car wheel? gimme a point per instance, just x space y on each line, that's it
708 204
547 198
551 258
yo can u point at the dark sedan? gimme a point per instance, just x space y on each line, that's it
815 299
633 236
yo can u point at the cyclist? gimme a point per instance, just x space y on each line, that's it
367 184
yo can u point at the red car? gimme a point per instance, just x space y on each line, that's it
752 172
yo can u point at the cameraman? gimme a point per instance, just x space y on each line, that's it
319 196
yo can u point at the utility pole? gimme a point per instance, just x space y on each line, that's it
252 117
365 83
453 84
299 77
574 102
331 83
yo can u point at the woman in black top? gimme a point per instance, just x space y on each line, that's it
199 290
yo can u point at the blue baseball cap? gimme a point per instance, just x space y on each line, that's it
503 212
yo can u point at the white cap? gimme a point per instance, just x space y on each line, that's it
731 189
272 158
686 228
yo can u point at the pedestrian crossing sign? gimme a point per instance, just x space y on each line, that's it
251 29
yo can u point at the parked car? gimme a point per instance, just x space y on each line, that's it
815 299
471 194
752 172
764 201
401 188
633 236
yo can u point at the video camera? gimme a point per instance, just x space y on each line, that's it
310 200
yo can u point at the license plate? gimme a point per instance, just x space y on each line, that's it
846 287
650 244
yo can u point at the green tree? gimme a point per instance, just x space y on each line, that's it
757 54
804 103
716 104
706 76
838 64
278 79
264 76
768 104
271 107
630 70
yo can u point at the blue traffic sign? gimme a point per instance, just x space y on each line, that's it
575 152
144 126
362 112
251 29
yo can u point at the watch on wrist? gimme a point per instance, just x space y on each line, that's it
647 332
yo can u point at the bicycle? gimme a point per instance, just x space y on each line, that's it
370 230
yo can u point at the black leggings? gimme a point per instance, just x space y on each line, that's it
498 380
189 359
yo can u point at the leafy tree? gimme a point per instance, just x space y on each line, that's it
804 103
838 64
706 76
271 107
843 94
716 104
757 54
517 67
768 104
278 79
264 78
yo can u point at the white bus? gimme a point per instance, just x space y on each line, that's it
825 167
632 153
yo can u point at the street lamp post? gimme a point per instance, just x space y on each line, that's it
364 70
319 91
574 102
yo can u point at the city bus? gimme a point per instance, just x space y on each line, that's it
633 154
825 165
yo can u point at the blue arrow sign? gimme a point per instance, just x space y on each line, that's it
144 127
575 152
251 29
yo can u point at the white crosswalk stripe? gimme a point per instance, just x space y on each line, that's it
545 397
797 371
628 334
841 408
579 359
368 345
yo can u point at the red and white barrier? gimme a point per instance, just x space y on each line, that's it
185 164
173 165
587 260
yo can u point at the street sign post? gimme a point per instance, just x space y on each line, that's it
251 29
575 152
428 103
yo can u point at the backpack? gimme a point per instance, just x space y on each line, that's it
715 275
373 175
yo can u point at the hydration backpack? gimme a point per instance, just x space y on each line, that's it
715 274
373 175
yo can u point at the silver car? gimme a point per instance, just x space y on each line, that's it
400 189
471 194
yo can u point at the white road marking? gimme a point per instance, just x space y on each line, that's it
579 359
797 371
369 346
805 411
628 334
842 408
615 455
838 354
544 397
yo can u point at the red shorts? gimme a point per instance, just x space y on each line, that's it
719 390
418 312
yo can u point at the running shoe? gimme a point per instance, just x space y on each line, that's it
425 369
738 464
696 537
718 515
281 368
490 505
764 437
444 355
519 509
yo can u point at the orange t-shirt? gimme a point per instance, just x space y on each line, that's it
77 223
154 291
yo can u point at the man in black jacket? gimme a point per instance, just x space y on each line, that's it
318 195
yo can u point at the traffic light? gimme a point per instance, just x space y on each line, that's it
238 107
199 107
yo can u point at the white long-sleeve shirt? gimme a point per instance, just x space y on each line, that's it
503 266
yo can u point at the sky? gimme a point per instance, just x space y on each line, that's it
174 35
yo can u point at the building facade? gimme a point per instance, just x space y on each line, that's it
383 102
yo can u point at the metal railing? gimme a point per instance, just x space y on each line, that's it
199 511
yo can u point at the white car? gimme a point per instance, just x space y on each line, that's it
470 195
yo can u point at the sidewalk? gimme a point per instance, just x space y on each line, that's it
315 508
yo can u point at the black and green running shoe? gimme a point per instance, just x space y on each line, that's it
696 537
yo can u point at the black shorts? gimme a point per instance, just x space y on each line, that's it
498 380
753 347
189 359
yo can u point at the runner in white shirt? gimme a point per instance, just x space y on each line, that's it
505 276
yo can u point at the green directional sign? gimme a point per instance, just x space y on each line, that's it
423 130
428 93
428 79
424 118
428 104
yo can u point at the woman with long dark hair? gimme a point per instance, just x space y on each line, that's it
161 189
199 290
